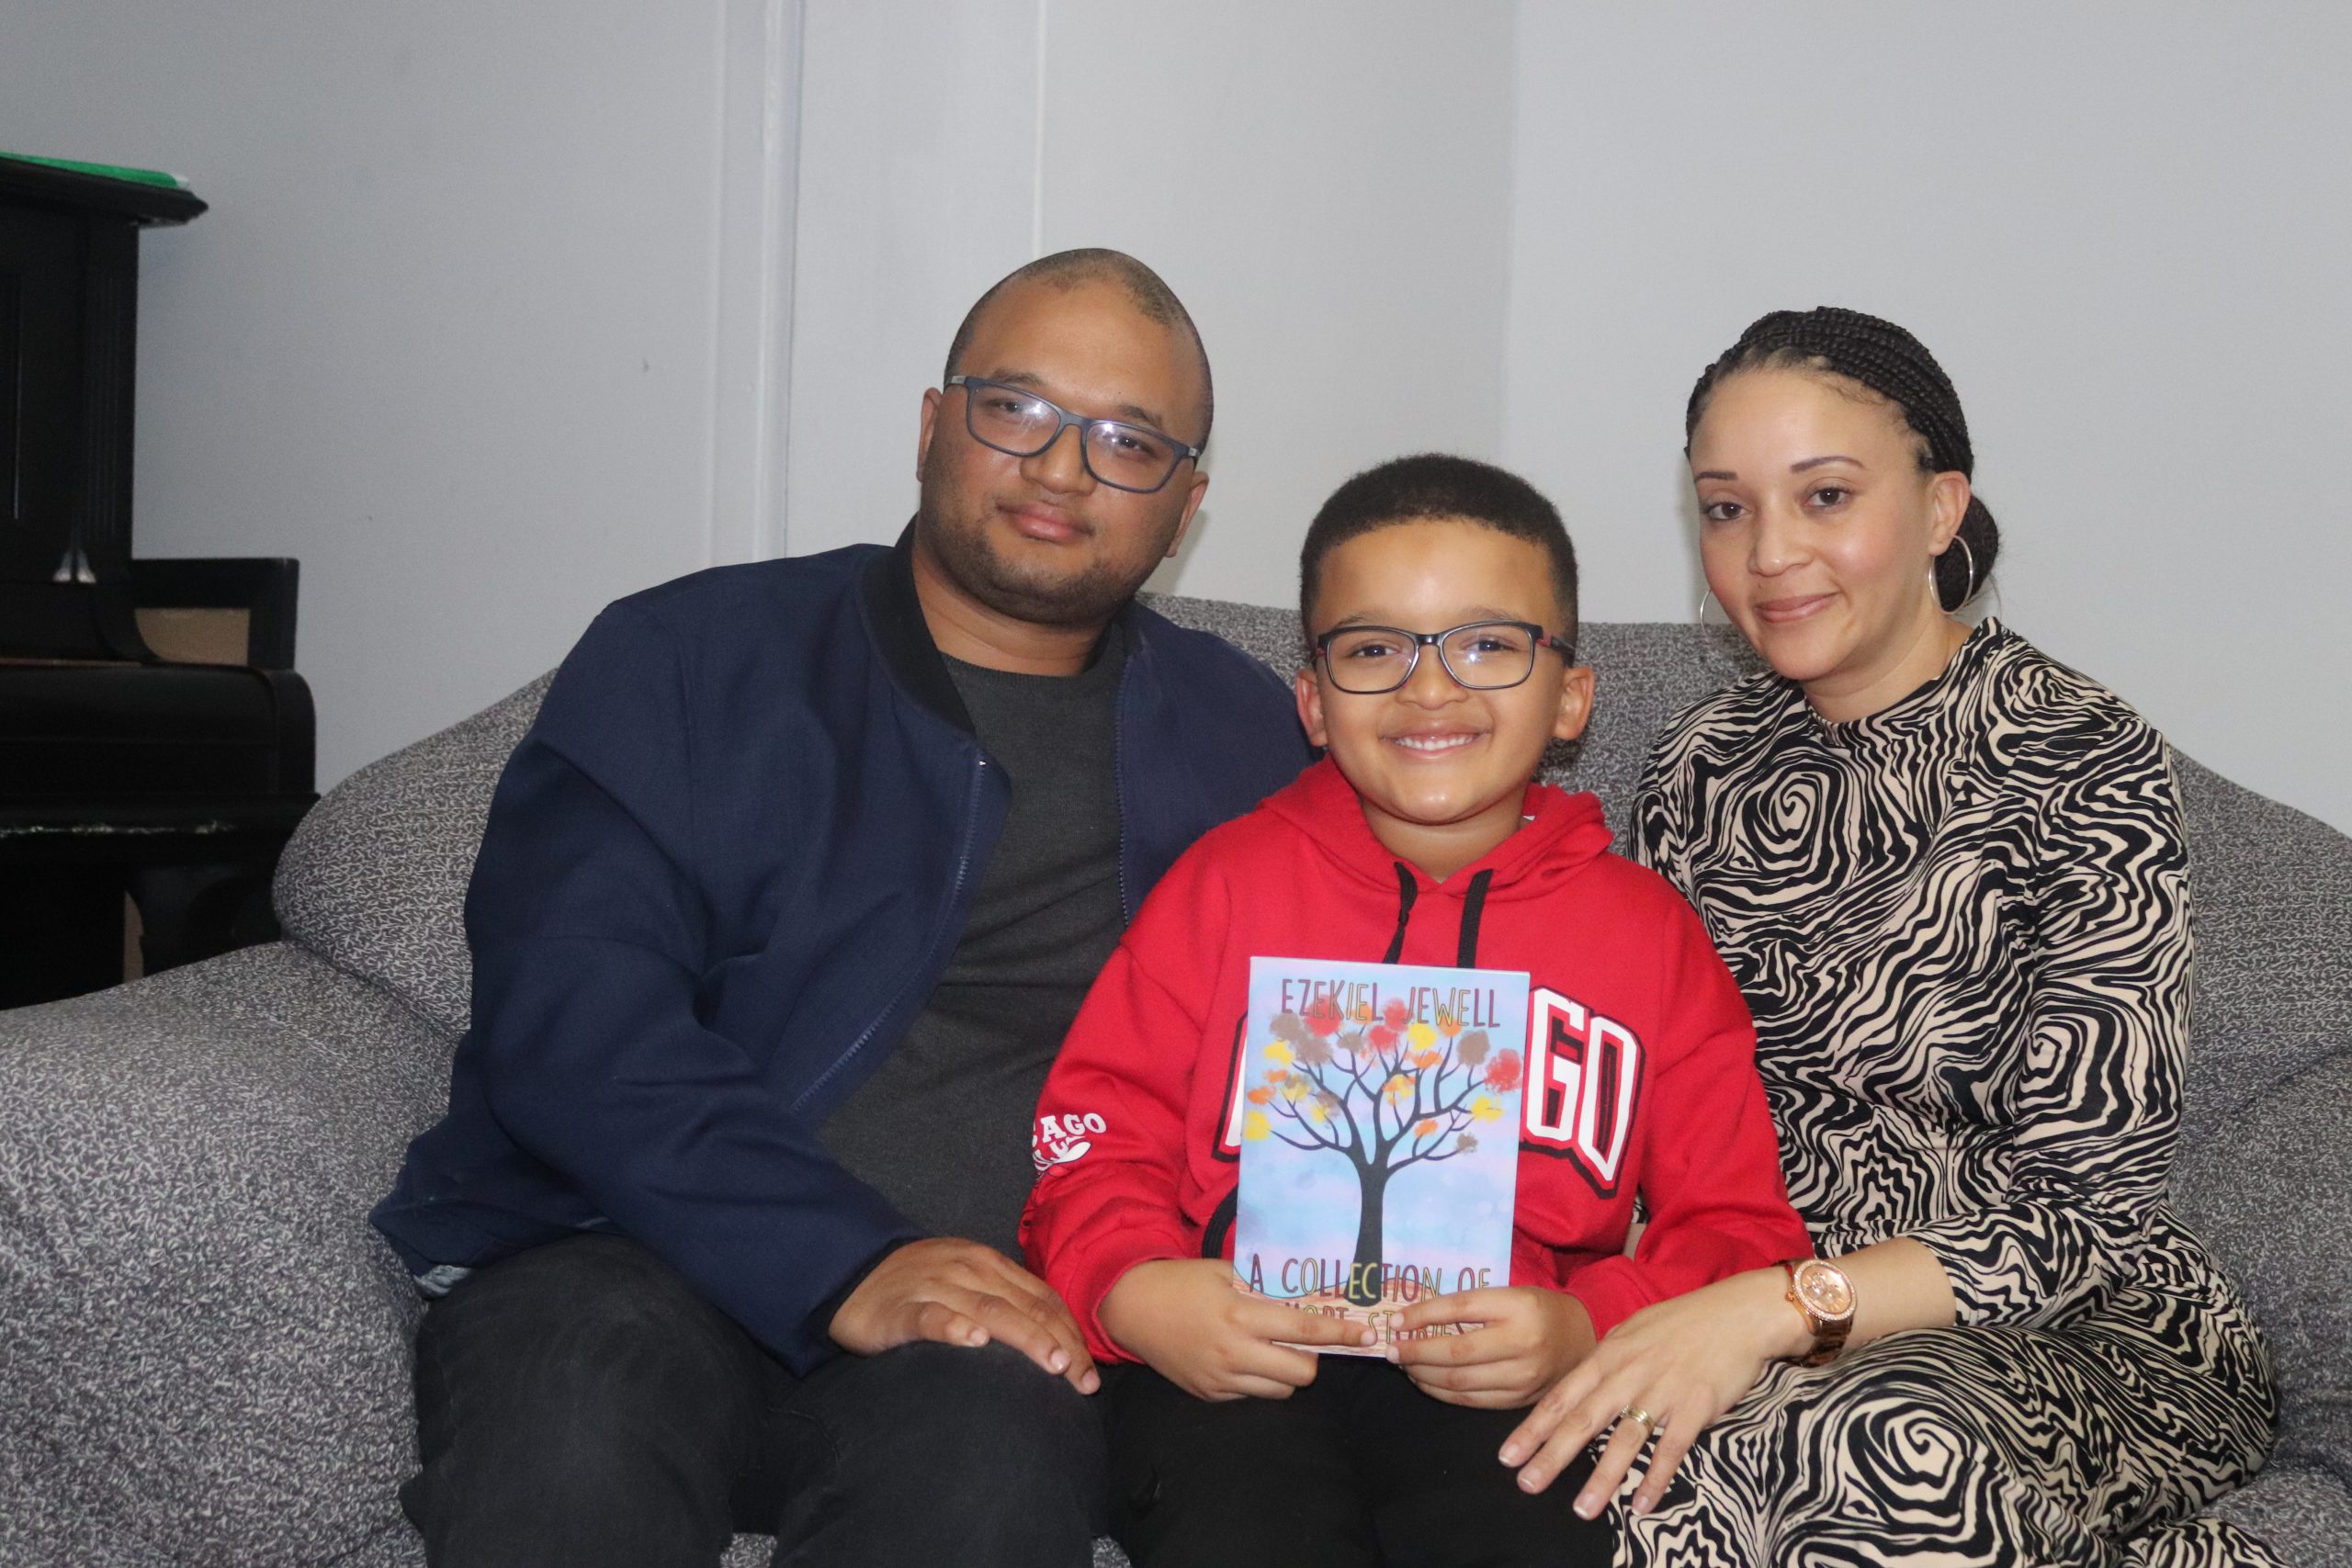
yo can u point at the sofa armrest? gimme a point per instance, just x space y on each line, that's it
204 1347
2302 1513
2271 1192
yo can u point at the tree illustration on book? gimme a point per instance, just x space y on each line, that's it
1379 1120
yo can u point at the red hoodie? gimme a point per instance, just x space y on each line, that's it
1641 1060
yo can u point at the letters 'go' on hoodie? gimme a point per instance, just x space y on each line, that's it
1640 1060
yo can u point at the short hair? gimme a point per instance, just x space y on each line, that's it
1439 485
1151 297
1890 364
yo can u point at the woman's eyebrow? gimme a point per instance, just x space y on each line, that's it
1827 457
1714 474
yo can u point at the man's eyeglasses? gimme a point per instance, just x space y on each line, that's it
1483 656
1021 424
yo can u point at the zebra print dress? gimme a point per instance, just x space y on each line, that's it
1962 926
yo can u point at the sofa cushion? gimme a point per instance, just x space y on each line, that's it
2273 891
203 1345
2301 1512
2267 1191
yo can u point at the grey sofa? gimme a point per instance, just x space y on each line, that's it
204 1347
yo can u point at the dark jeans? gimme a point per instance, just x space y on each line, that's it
579 1403
1357 1470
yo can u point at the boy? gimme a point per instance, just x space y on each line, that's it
1439 596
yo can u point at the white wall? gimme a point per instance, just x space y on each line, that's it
1324 183
504 310
474 327
2124 230
1518 231
907 210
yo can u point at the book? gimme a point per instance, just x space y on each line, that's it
1378 1108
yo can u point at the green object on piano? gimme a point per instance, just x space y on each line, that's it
105 171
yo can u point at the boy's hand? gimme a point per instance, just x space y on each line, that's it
1530 1338
1186 1319
960 1292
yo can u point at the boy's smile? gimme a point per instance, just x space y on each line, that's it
1440 768
1436 741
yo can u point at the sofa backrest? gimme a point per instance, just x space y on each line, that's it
374 879
1644 674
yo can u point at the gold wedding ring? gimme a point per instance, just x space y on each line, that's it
1635 1413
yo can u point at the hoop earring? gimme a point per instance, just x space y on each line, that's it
1705 595
1969 590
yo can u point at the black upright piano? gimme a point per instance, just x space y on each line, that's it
156 744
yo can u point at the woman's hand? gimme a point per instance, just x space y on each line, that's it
1683 1362
1189 1321
1526 1339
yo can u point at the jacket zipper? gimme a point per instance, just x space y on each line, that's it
1119 791
963 871
1119 778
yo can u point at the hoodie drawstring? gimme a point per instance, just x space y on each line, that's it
1474 906
1407 891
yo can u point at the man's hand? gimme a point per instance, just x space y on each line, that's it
959 1293
1527 1339
1186 1318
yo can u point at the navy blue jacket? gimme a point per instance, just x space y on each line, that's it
722 874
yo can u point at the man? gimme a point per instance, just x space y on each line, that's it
784 904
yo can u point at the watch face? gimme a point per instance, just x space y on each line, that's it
1824 1290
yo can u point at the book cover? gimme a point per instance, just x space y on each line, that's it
1379 1109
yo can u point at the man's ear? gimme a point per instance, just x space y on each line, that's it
1198 487
922 441
1310 706
1575 702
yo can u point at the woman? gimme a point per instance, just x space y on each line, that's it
1951 878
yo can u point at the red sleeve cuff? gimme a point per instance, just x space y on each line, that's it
1105 1267
1611 1290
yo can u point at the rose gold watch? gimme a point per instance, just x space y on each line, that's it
1823 1297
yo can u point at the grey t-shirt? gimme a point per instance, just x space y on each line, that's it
942 1127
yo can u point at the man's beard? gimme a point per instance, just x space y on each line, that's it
968 558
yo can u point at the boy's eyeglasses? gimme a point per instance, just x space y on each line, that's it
1483 656
1021 424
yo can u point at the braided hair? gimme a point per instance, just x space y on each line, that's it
1886 360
